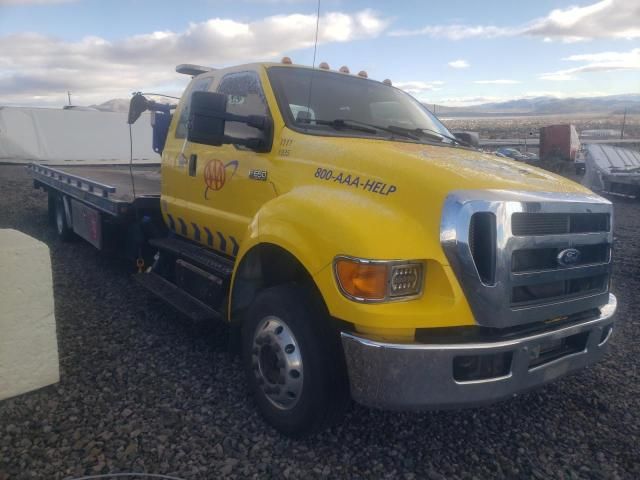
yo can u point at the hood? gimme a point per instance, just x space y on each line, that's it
448 169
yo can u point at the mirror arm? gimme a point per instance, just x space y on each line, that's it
251 143
260 122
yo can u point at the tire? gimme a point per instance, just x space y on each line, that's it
63 229
293 361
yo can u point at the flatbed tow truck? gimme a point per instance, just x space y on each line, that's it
356 248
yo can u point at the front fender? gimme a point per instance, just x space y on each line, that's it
315 224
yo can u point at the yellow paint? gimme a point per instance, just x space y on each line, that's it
317 219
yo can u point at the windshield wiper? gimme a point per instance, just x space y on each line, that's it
339 124
442 135
429 133
413 134
357 125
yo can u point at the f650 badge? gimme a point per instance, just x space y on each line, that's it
260 175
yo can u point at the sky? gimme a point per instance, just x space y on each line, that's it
450 52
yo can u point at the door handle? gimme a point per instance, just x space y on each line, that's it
193 164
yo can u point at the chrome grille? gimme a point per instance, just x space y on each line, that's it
482 242
545 292
533 259
528 224
529 232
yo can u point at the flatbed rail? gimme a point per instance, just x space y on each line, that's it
79 182
110 191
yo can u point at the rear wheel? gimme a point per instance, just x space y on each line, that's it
62 226
293 362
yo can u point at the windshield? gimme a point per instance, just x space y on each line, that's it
337 96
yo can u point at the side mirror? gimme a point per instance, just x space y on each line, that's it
207 118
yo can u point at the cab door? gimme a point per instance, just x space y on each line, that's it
177 178
229 184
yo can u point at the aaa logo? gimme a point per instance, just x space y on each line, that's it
215 174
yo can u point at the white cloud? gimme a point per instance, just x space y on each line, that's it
596 62
559 76
418 88
455 32
468 100
34 65
458 64
603 19
499 81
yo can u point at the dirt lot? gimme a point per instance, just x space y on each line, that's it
142 391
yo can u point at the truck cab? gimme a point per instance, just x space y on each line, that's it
373 252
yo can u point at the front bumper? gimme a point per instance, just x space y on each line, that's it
421 376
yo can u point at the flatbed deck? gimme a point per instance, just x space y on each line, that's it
109 188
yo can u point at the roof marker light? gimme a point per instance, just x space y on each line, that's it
324 66
344 69
286 60
362 74
386 81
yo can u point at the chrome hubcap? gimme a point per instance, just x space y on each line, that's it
277 363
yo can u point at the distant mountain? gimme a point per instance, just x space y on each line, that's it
120 105
548 106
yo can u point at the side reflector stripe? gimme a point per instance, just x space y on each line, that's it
223 242
172 223
196 232
209 237
197 236
235 246
183 227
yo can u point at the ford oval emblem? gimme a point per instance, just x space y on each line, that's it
568 257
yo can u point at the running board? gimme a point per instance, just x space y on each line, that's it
177 298
195 254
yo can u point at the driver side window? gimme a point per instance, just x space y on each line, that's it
244 97
199 85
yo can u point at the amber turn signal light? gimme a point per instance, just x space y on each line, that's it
365 281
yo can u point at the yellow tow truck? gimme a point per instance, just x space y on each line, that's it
354 245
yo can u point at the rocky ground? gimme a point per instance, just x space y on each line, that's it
143 391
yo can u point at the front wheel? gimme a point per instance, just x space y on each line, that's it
293 361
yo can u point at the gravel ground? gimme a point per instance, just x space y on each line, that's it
143 391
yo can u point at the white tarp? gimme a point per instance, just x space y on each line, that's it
56 136
605 160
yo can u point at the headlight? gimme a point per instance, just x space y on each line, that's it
378 280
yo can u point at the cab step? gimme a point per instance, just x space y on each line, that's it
195 254
186 304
